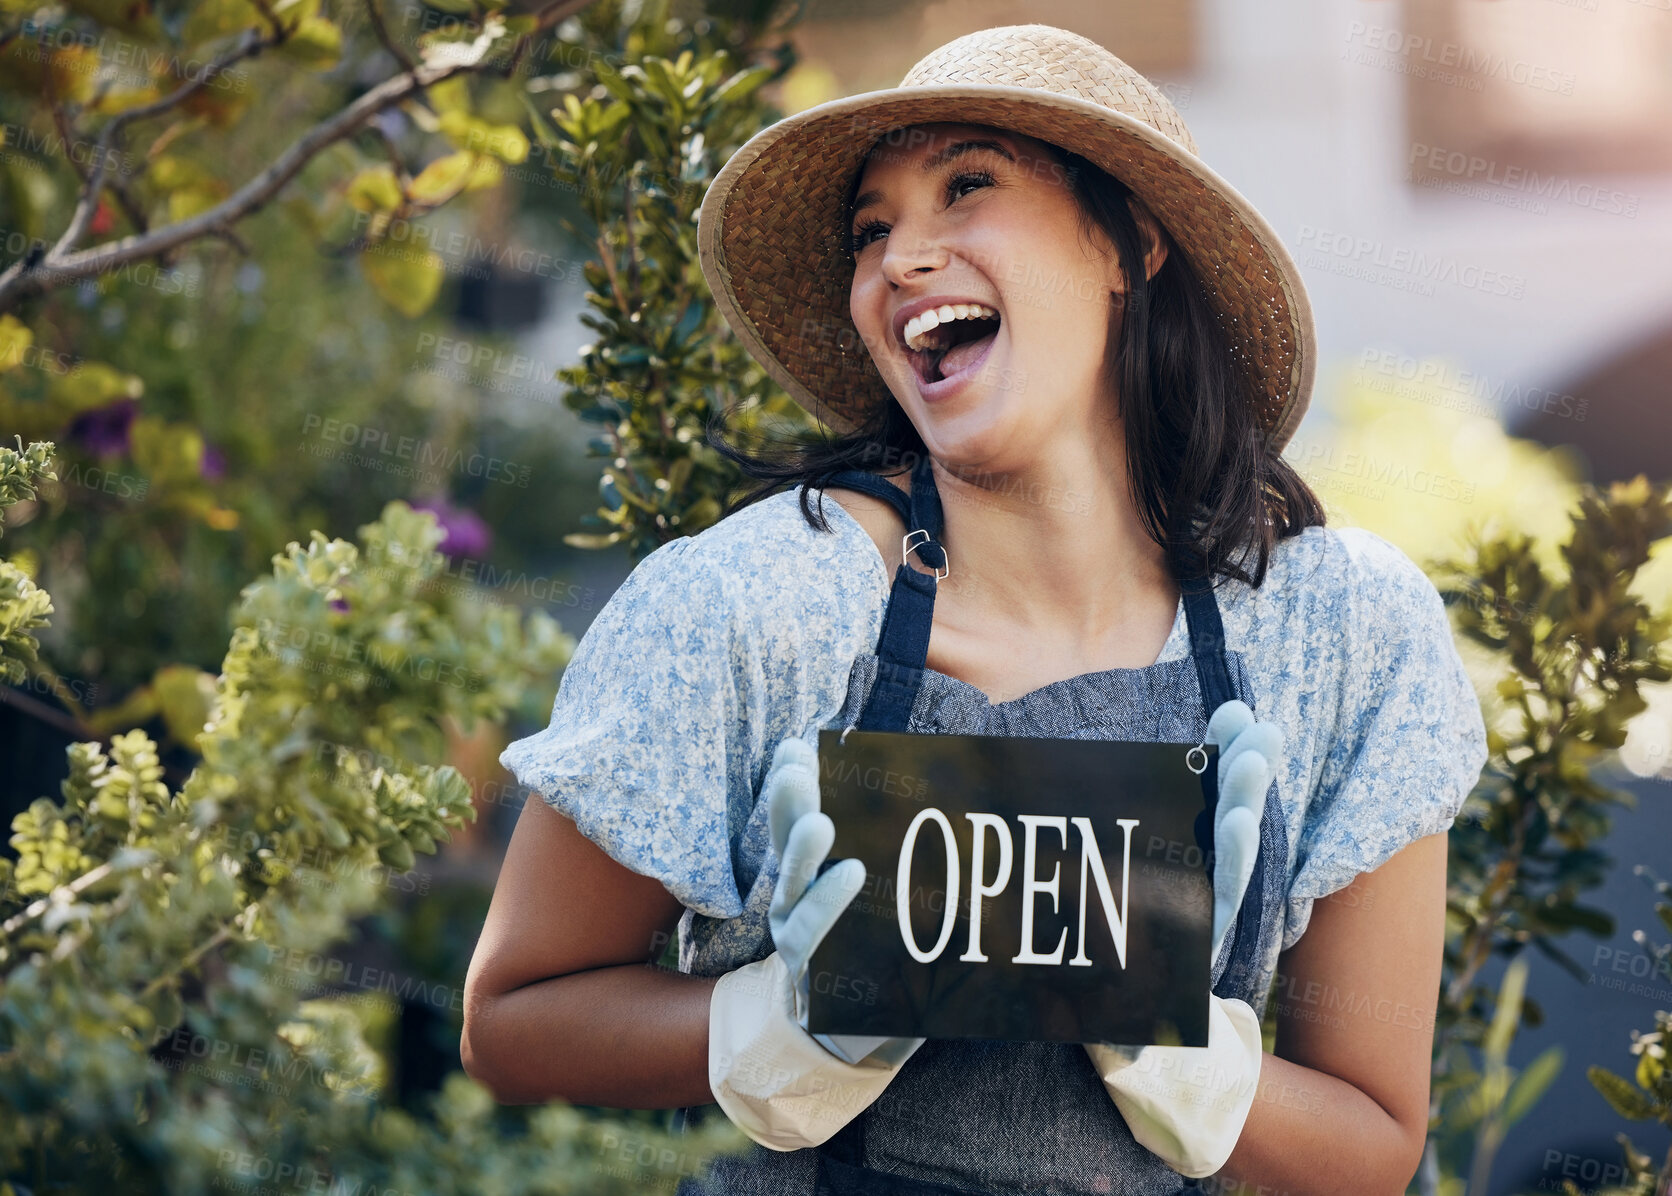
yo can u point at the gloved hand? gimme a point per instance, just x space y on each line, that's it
1188 1104
777 1083
800 917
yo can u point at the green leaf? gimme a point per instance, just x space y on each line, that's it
1577 917
409 279
444 178
1648 1071
187 202
15 339
590 540
1531 1084
740 86
1507 1015
397 854
210 19
316 43
185 695
375 189
505 142
1618 1091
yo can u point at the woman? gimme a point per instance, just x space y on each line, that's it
1092 436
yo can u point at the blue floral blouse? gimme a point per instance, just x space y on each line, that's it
720 645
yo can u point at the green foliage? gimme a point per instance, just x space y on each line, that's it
22 470
1488 1104
24 606
145 1039
639 147
1524 851
1647 1095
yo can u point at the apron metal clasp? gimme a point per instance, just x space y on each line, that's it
906 548
1198 750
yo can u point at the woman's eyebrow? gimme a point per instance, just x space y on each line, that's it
933 162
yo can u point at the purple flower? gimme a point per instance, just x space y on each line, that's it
213 464
338 604
103 431
465 532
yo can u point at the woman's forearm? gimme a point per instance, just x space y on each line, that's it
1312 1134
625 1037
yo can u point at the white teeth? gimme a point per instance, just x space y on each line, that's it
931 318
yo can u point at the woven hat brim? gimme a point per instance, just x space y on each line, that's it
772 218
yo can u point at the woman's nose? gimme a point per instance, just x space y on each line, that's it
908 251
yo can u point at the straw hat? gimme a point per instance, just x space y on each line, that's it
774 247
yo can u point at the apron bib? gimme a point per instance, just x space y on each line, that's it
977 1118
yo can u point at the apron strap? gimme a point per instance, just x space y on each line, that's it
876 487
903 647
1207 644
1237 962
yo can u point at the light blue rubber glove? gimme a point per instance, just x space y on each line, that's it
1250 755
805 905
1188 1104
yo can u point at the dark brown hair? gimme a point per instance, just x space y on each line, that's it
1205 481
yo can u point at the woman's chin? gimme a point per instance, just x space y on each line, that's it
983 431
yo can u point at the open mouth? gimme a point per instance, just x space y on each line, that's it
947 346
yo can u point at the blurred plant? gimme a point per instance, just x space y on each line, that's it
191 399
1574 650
151 204
1420 463
1650 1097
23 605
1503 1095
639 148
145 1040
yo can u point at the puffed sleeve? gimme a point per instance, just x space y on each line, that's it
1407 742
716 648
649 734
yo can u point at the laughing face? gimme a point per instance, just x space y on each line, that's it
985 307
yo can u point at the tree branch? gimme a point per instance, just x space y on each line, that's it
62 266
251 43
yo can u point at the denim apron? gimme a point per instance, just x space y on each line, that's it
967 1117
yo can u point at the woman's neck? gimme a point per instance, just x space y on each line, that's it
1056 552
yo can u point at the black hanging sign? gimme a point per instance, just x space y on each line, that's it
1080 858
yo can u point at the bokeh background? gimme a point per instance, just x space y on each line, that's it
482 301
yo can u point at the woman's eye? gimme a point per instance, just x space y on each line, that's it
956 184
862 235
